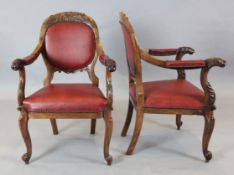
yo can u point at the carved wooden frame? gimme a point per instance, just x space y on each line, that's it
110 64
138 105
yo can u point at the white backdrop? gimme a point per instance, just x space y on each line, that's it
205 25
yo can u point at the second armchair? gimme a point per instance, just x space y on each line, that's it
176 96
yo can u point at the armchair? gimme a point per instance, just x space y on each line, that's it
178 96
68 42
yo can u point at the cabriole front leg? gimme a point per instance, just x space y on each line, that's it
208 129
108 133
23 125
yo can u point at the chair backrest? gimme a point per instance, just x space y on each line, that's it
70 42
70 45
132 48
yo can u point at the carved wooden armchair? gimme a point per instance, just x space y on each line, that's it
177 96
68 42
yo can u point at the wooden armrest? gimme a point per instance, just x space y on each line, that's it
162 52
19 63
108 62
182 64
177 64
192 64
168 52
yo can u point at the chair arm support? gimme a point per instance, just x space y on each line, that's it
179 52
21 88
209 91
18 65
109 89
110 67
108 62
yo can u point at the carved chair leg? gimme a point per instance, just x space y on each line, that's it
54 126
23 125
208 129
108 133
93 126
178 121
136 133
128 119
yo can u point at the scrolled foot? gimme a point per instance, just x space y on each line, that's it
179 125
208 156
123 134
178 122
26 158
129 152
109 159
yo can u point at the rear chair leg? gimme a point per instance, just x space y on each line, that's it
93 126
178 121
23 125
54 126
128 119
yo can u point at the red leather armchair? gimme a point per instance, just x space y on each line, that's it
176 96
68 42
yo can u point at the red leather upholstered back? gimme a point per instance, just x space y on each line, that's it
70 45
129 50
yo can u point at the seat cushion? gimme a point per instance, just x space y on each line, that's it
171 94
66 98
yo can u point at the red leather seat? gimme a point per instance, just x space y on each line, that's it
66 98
171 94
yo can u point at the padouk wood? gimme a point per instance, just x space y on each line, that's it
138 105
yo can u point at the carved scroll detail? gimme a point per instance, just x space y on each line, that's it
21 88
209 91
109 89
180 53
212 95
69 17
